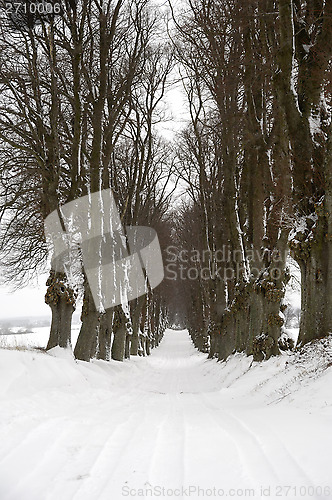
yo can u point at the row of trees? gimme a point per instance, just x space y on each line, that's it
256 158
80 100
81 95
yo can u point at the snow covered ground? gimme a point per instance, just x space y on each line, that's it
38 337
172 425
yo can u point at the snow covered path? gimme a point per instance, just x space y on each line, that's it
114 430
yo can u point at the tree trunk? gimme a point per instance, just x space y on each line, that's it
314 255
120 334
134 344
312 163
266 308
214 333
141 350
86 344
104 335
128 346
61 299
148 346
136 323
119 343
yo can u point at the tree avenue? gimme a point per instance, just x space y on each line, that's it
256 158
82 94
80 98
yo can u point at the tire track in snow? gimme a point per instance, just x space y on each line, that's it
285 468
45 443
280 452
28 456
220 450
50 466
134 458
109 453
116 453
254 460
168 461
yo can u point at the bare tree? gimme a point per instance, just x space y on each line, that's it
36 128
137 166
70 88
230 72
303 81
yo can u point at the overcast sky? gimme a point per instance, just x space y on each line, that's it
26 302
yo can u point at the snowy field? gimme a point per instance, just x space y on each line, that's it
37 338
172 425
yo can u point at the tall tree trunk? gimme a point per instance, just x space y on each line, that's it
85 348
127 346
104 335
61 299
311 245
312 248
137 310
120 334
314 255
148 346
217 305
266 299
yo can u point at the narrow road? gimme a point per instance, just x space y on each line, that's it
157 427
